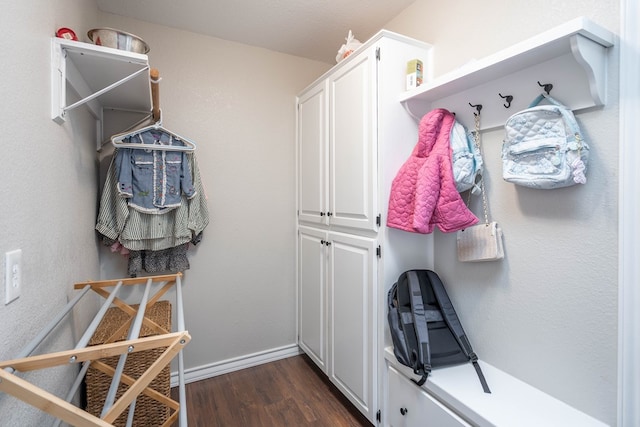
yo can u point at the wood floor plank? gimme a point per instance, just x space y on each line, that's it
287 392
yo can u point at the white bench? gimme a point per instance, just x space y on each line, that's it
454 397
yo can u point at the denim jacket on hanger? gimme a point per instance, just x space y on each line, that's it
153 180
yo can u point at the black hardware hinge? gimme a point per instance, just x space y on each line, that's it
379 252
378 416
379 220
378 53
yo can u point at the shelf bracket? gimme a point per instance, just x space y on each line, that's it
416 109
101 79
592 57
101 91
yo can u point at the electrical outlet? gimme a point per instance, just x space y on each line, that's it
13 275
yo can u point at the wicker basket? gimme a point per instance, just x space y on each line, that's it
148 412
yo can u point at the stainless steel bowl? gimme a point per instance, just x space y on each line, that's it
117 39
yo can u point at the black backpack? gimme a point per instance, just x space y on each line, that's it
425 328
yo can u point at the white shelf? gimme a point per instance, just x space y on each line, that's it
572 57
103 79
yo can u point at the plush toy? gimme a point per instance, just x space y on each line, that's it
348 48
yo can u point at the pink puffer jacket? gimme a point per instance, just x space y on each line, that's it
423 193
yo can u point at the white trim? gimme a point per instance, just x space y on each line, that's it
235 364
629 214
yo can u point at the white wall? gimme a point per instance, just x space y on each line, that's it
238 104
48 194
547 314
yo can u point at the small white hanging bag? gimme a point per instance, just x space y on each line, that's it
481 242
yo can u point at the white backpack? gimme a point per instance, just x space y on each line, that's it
466 159
543 147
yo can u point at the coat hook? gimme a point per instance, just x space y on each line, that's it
509 98
478 107
547 87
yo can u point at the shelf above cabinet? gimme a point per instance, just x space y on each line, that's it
572 57
103 79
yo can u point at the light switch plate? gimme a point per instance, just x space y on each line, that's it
13 275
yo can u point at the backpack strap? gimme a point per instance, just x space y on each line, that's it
398 327
405 318
564 110
421 328
452 320
542 96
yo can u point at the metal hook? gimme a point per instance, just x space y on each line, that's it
547 87
509 98
478 107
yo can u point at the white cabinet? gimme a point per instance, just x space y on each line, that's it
313 155
411 406
353 136
336 324
352 327
312 294
337 149
352 144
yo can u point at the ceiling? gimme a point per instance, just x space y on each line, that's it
313 29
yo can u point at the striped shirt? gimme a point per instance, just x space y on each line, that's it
138 231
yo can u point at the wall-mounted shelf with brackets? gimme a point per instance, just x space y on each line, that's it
104 79
571 57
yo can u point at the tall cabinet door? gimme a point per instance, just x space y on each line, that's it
352 143
313 155
352 319
312 294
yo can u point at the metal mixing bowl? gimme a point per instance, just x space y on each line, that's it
117 39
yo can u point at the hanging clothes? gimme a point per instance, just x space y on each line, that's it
423 193
156 240
153 181
172 260
137 230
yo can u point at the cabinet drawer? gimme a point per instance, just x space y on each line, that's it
411 406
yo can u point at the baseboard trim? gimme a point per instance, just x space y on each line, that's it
235 364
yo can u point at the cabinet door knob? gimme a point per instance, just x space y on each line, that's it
322 242
329 213
321 213
404 411
328 243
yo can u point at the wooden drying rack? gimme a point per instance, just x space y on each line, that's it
173 342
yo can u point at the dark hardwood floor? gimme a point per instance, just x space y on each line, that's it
288 392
